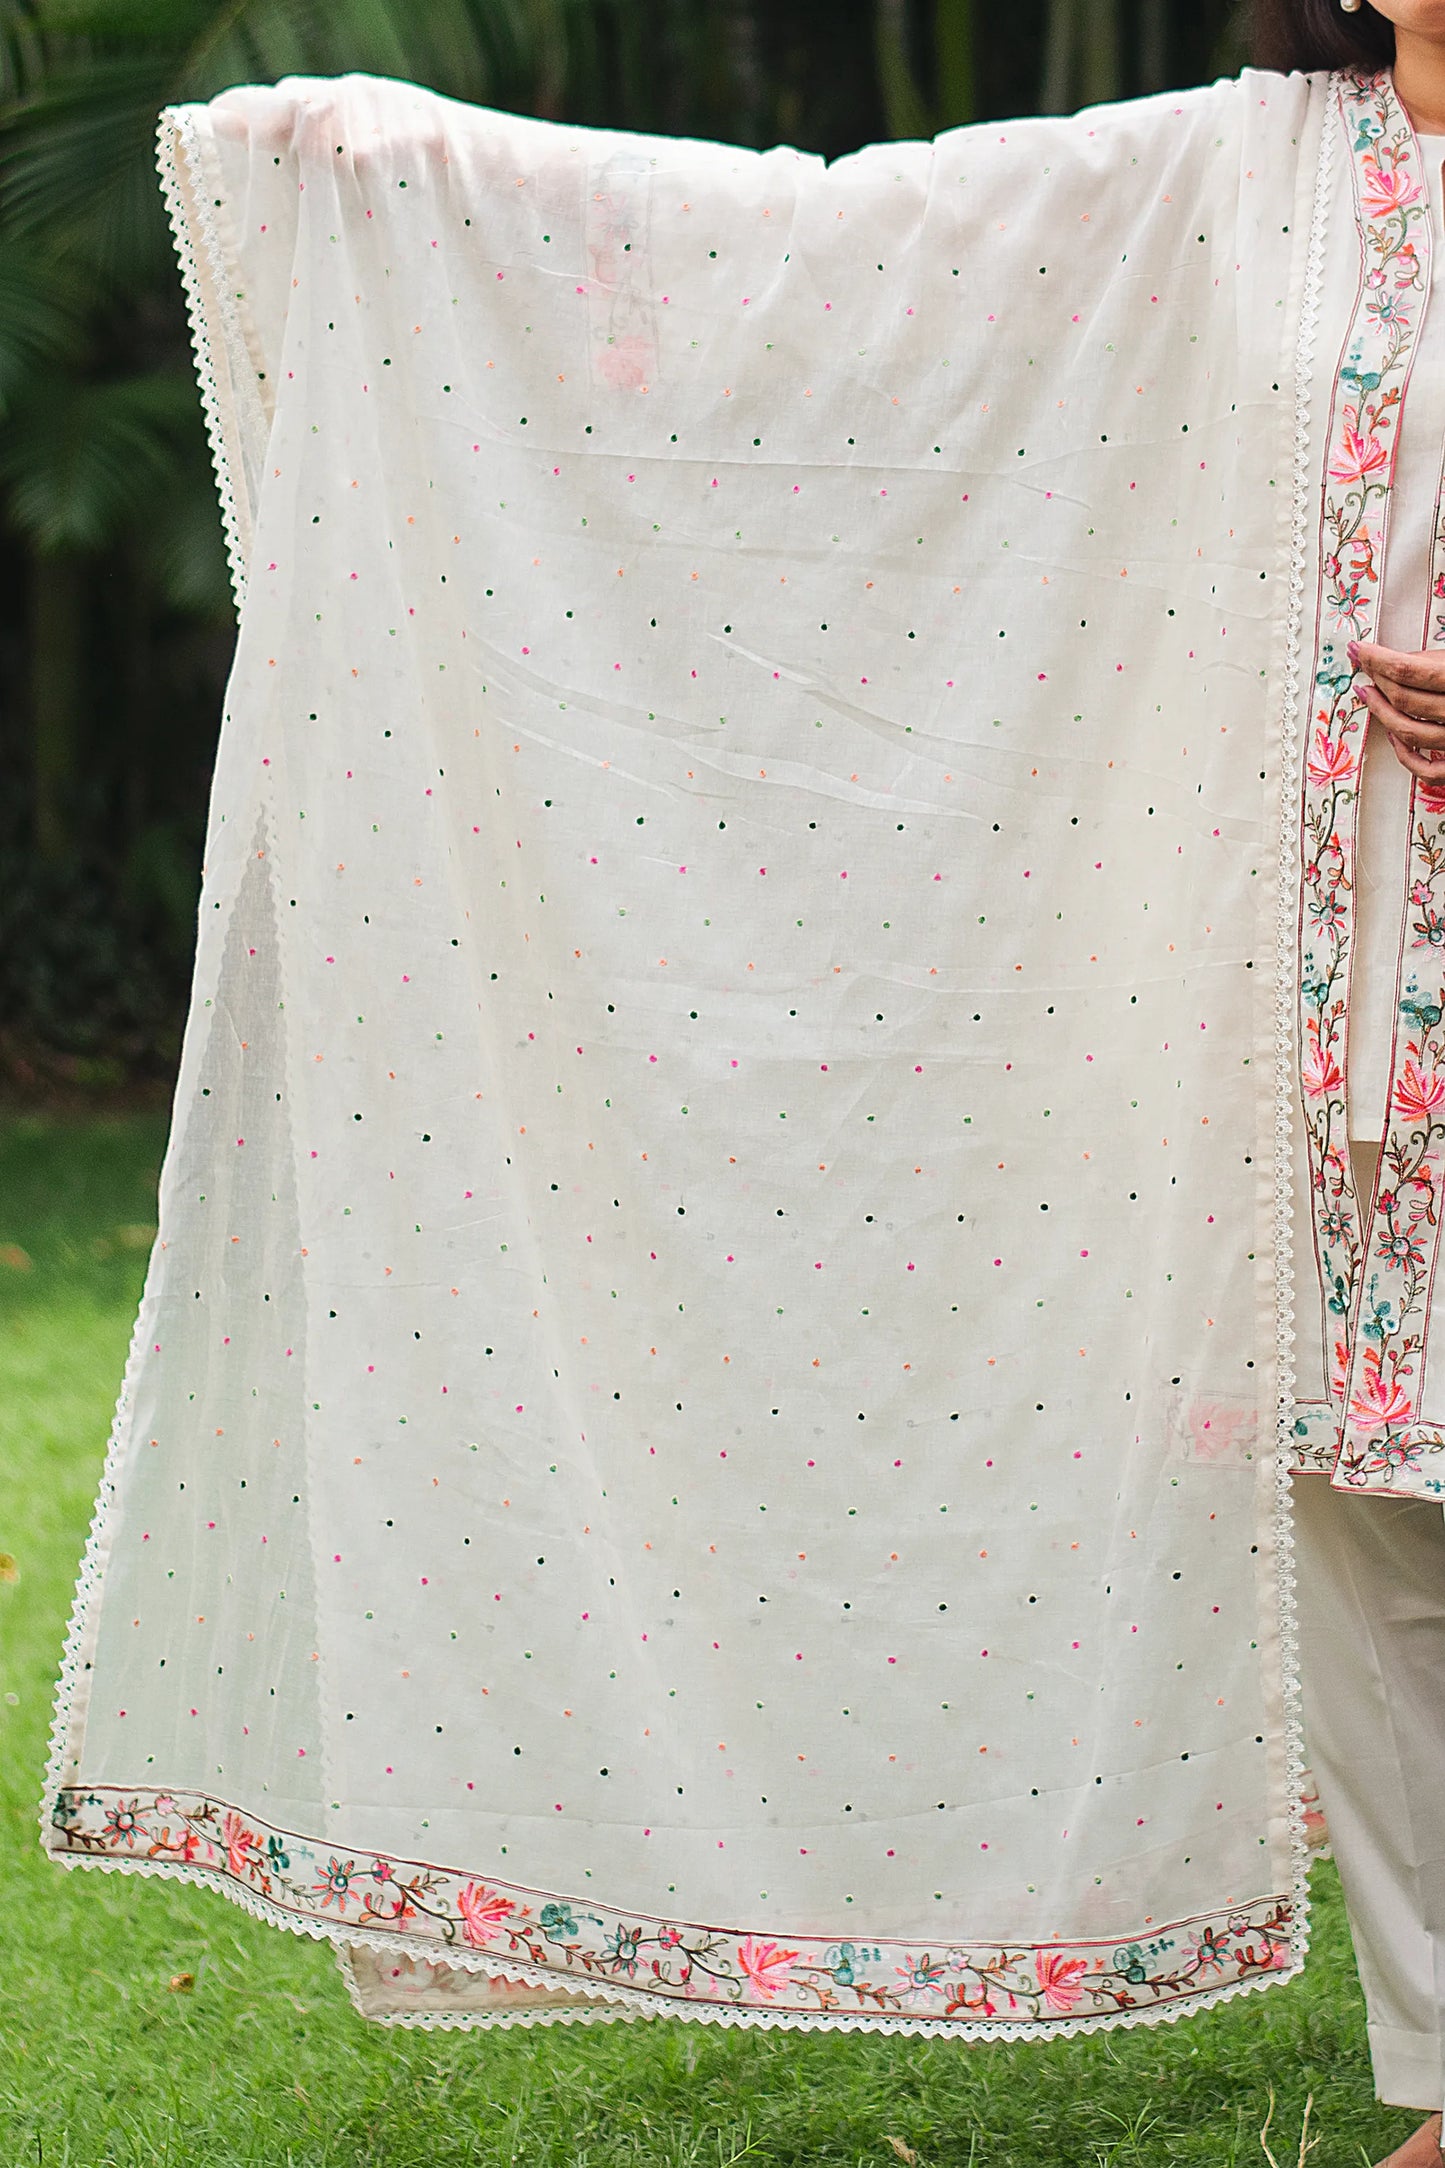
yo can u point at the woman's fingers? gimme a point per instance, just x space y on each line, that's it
1410 700
1430 766
1423 673
1409 728
1406 695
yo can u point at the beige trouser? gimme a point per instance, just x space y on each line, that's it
1371 1593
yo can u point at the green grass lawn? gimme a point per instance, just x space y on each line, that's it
263 2060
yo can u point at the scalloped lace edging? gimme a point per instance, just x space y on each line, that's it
632 2002
1285 1066
177 132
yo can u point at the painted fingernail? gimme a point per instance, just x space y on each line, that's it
1353 651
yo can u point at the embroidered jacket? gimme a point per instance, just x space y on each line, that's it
1369 1407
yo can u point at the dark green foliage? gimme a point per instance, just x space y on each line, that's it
92 982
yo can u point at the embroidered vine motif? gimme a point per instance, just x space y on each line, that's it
430 1911
1381 1449
1385 1445
1393 218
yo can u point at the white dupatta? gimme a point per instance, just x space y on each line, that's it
702 1436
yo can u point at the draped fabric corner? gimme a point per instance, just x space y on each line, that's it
709 1429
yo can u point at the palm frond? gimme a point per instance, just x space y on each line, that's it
22 49
77 139
183 551
80 462
170 23
478 49
41 319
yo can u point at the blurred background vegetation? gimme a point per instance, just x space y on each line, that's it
116 627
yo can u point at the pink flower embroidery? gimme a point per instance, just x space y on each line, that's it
1387 188
1316 1829
184 1845
1339 1370
628 363
1059 1978
1407 265
239 1841
1419 1092
1319 1071
1216 1430
1329 763
1378 1403
483 1910
1357 456
769 1969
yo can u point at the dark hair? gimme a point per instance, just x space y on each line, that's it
1308 34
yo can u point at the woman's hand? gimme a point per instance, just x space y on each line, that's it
1406 695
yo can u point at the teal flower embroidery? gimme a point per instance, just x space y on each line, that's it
622 1946
334 1886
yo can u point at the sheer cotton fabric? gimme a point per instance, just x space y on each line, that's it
701 1434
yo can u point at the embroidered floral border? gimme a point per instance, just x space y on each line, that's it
432 1910
1387 1447
1376 1259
